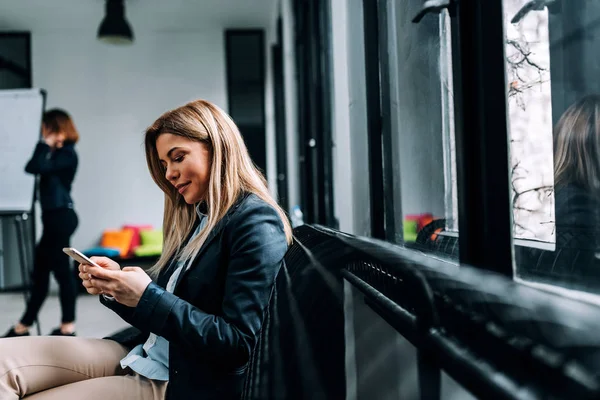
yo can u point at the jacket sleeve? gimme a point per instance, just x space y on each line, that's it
41 163
128 337
257 244
580 210
121 310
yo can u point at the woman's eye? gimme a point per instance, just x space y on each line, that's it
178 159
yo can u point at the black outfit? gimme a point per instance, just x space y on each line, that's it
577 233
215 314
57 170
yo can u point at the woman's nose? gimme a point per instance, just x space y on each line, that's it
171 174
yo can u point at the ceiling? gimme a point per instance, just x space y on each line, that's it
143 15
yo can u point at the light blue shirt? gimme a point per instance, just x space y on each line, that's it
152 358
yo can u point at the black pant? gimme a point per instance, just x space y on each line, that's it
59 226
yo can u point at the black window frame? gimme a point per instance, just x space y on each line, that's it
377 93
481 129
482 137
312 36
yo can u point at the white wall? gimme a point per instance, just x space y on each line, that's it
342 163
291 104
113 93
357 108
271 150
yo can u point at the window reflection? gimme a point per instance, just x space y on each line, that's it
577 187
563 64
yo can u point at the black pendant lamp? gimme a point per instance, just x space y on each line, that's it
114 28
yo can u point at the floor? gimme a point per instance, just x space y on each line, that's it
93 319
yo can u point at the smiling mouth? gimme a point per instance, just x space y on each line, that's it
182 188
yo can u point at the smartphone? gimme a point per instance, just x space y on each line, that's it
82 259
79 257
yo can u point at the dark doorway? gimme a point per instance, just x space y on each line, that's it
245 59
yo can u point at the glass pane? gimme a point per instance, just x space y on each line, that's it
422 111
552 67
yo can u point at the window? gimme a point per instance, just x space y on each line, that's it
421 113
447 85
552 67
530 122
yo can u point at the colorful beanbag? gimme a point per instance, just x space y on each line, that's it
152 241
135 239
109 252
410 230
117 239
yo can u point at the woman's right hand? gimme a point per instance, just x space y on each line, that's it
104 262
54 140
50 140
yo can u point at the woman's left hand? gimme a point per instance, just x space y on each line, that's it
126 285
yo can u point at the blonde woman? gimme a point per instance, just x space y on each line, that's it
577 189
225 238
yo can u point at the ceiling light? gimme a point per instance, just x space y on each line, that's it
114 28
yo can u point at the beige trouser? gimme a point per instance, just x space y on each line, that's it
65 368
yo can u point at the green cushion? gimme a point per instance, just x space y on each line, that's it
148 250
410 237
151 237
410 231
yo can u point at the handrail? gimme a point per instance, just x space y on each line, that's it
482 325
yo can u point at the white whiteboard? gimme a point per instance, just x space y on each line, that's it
20 126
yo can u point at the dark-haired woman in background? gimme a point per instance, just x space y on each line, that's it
55 161
577 191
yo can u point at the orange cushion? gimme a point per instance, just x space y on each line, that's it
118 239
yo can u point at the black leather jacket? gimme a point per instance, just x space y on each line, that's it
577 233
57 170
214 316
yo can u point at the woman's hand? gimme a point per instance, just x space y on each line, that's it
126 286
54 140
50 140
85 276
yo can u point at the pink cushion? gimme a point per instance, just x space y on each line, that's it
135 240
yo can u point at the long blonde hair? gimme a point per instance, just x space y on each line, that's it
577 145
232 173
